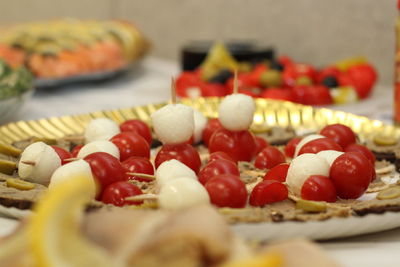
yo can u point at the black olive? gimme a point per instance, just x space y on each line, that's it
330 82
221 77
276 66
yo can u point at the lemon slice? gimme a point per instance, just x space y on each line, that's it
54 231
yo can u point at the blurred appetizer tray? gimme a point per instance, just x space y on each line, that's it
302 118
46 83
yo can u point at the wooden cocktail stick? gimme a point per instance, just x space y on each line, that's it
173 90
142 197
235 82
29 162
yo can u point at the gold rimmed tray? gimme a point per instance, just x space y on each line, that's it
268 112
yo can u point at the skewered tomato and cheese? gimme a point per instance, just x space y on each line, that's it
174 126
200 122
101 129
71 169
331 171
236 115
99 146
173 169
38 162
182 193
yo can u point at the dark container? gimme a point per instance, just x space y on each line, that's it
194 53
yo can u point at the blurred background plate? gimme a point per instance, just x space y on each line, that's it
10 106
41 83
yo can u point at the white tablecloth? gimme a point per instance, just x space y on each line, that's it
150 82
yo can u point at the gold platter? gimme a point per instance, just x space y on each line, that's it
268 112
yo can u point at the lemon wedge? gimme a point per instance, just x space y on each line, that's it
54 230
263 260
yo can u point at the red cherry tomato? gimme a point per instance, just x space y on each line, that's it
277 173
256 73
139 127
116 193
227 190
253 92
312 95
290 147
138 165
363 150
261 143
241 145
184 153
267 192
351 174
187 80
213 89
328 71
340 133
268 158
106 169
294 71
285 60
362 78
318 188
63 154
279 94
216 167
131 144
211 126
75 150
318 145
220 155
244 81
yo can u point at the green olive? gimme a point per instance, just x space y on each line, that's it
7 167
19 184
45 140
271 78
389 193
384 140
311 206
9 150
303 80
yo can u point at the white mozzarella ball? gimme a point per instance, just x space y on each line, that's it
173 124
73 169
302 167
236 112
330 155
200 122
173 169
182 193
45 159
305 140
101 129
99 146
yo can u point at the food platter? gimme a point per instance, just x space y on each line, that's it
268 112
319 230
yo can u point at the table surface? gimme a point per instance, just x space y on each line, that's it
149 83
